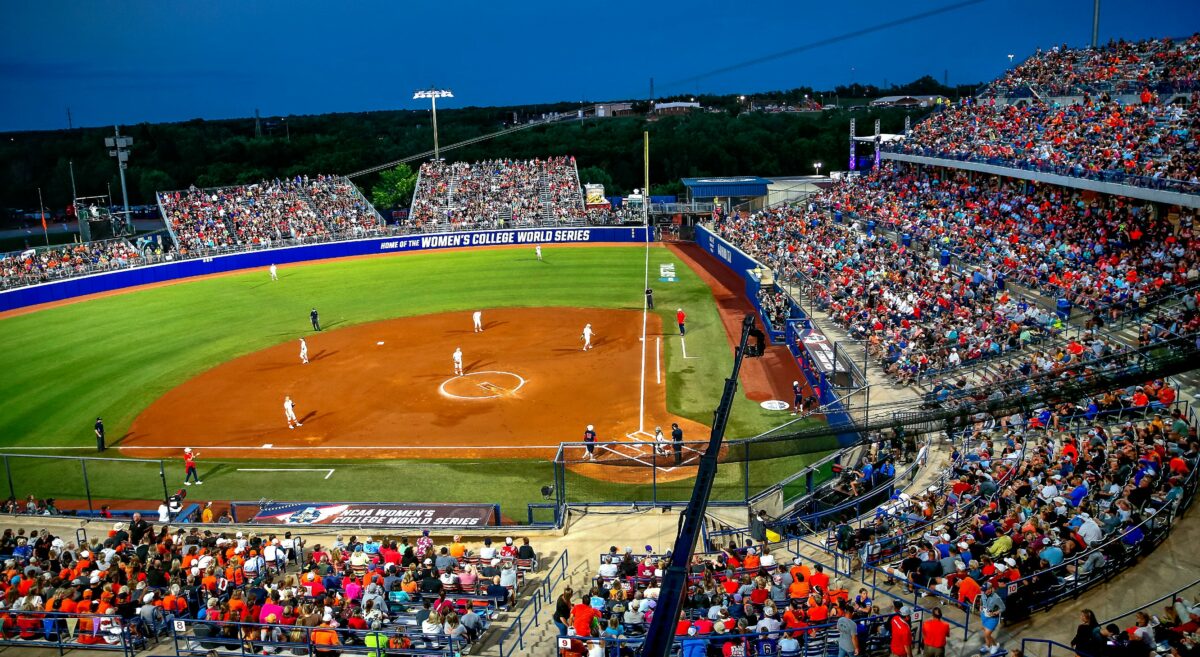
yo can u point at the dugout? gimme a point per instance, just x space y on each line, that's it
726 191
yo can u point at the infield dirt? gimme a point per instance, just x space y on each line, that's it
400 399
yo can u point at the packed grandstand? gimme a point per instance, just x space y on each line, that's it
964 288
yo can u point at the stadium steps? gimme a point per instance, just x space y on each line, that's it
541 633
545 201
312 206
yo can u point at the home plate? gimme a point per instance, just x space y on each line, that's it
379 343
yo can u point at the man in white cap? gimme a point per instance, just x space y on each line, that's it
152 616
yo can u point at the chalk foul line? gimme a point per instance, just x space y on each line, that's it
683 345
328 471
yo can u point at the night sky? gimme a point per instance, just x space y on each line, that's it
169 60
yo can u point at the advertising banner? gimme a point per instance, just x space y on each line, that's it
380 515
108 281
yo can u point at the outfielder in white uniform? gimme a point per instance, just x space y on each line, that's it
477 317
303 351
274 274
458 368
587 337
538 248
289 411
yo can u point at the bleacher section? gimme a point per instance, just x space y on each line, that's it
43 264
268 213
234 593
497 194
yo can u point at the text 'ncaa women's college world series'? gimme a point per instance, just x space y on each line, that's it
489 238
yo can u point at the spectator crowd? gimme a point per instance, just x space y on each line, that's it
1106 254
267 213
255 592
497 194
1119 67
41 265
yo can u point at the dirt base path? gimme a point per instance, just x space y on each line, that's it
769 377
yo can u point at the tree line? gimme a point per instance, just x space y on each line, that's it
726 140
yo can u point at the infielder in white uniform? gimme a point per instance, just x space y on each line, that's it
538 248
303 351
289 411
587 337
274 274
458 361
477 317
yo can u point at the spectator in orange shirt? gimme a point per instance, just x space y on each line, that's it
325 636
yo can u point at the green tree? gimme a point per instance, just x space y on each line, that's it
154 180
595 176
395 187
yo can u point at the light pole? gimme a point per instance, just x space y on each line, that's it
817 166
433 94
1010 58
120 146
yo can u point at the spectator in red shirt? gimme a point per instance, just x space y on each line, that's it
934 633
901 644
584 616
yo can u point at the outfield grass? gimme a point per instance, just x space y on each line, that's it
115 355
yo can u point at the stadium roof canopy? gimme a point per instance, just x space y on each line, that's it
699 188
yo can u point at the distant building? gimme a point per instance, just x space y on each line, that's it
908 101
676 108
614 109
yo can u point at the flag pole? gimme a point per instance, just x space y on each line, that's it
42 211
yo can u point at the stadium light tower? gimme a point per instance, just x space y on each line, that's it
120 150
433 94
817 166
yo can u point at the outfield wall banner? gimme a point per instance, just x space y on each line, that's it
379 515
169 271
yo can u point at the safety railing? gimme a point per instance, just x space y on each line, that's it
1047 648
816 639
191 636
358 233
63 632
526 618
1072 171
1171 598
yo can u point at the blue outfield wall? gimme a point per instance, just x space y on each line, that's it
170 271
742 265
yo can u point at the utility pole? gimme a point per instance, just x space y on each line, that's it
120 150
